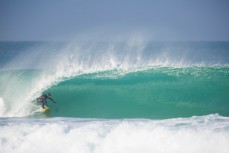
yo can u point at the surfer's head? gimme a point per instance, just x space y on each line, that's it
49 94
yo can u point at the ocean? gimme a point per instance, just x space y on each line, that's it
125 97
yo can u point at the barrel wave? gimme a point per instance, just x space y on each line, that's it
154 93
133 79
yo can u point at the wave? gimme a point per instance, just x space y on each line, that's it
162 92
40 67
195 134
153 93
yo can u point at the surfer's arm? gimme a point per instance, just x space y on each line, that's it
52 100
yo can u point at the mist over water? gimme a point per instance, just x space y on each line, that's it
133 53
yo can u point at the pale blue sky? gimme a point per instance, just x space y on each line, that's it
182 20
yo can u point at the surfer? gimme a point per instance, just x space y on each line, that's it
42 99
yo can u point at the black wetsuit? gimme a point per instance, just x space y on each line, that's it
42 99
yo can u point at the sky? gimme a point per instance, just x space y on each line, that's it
159 20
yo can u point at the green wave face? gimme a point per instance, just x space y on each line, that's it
155 93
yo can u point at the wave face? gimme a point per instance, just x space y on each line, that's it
153 93
197 134
133 79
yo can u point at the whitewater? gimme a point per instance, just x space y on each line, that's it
197 134
131 96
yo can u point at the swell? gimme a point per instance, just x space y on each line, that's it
154 93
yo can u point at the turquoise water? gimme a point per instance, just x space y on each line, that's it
154 93
115 97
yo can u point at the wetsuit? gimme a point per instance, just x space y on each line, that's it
42 99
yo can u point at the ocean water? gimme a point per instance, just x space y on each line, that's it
125 97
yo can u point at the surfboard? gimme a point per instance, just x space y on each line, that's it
44 109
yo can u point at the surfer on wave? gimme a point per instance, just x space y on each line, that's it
42 99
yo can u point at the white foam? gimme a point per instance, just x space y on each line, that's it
19 90
2 106
194 135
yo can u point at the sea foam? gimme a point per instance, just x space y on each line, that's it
192 135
